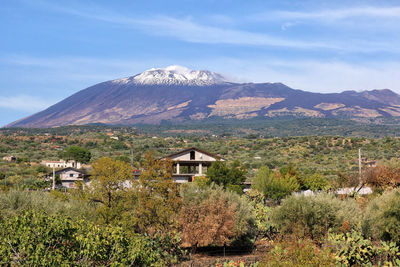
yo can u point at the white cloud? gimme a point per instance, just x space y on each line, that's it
311 75
24 103
188 30
315 75
70 70
338 14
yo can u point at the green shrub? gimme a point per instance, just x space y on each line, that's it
313 216
265 226
35 238
272 186
382 217
298 253
227 175
15 202
315 182
352 249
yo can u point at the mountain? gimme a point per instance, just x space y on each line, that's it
179 94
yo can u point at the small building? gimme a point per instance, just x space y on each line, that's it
370 163
190 163
69 176
62 164
10 158
351 190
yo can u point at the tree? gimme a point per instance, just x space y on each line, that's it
212 216
157 198
383 175
382 217
265 227
123 158
314 182
77 153
42 169
314 215
274 186
227 176
111 181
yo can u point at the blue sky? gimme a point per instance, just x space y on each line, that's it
52 49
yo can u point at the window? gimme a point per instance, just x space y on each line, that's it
192 155
71 175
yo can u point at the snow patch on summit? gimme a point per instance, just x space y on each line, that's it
174 75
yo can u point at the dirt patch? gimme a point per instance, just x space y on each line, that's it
242 105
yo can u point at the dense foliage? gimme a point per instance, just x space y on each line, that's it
382 217
274 186
229 176
313 216
36 238
77 153
213 216
298 253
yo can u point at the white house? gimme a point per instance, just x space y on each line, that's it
62 164
190 163
10 158
69 176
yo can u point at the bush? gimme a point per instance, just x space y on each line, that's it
265 227
382 217
315 182
298 253
227 175
35 238
313 216
16 202
352 249
213 216
274 186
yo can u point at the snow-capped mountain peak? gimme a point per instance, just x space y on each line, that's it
175 75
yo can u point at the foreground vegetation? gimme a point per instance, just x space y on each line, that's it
156 222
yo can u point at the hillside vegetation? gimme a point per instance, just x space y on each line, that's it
156 222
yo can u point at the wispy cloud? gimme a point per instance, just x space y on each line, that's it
24 103
338 14
191 31
186 29
311 75
67 69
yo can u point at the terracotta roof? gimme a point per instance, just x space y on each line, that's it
193 148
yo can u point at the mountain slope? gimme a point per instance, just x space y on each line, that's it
179 94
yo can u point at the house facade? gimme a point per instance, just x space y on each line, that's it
69 177
10 158
62 164
191 163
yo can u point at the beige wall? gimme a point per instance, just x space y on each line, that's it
198 156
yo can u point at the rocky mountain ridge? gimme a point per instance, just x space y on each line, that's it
179 94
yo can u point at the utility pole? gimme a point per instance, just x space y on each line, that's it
54 179
359 166
131 154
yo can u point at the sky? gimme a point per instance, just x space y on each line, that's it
52 49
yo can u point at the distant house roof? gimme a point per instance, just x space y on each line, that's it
191 149
70 169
